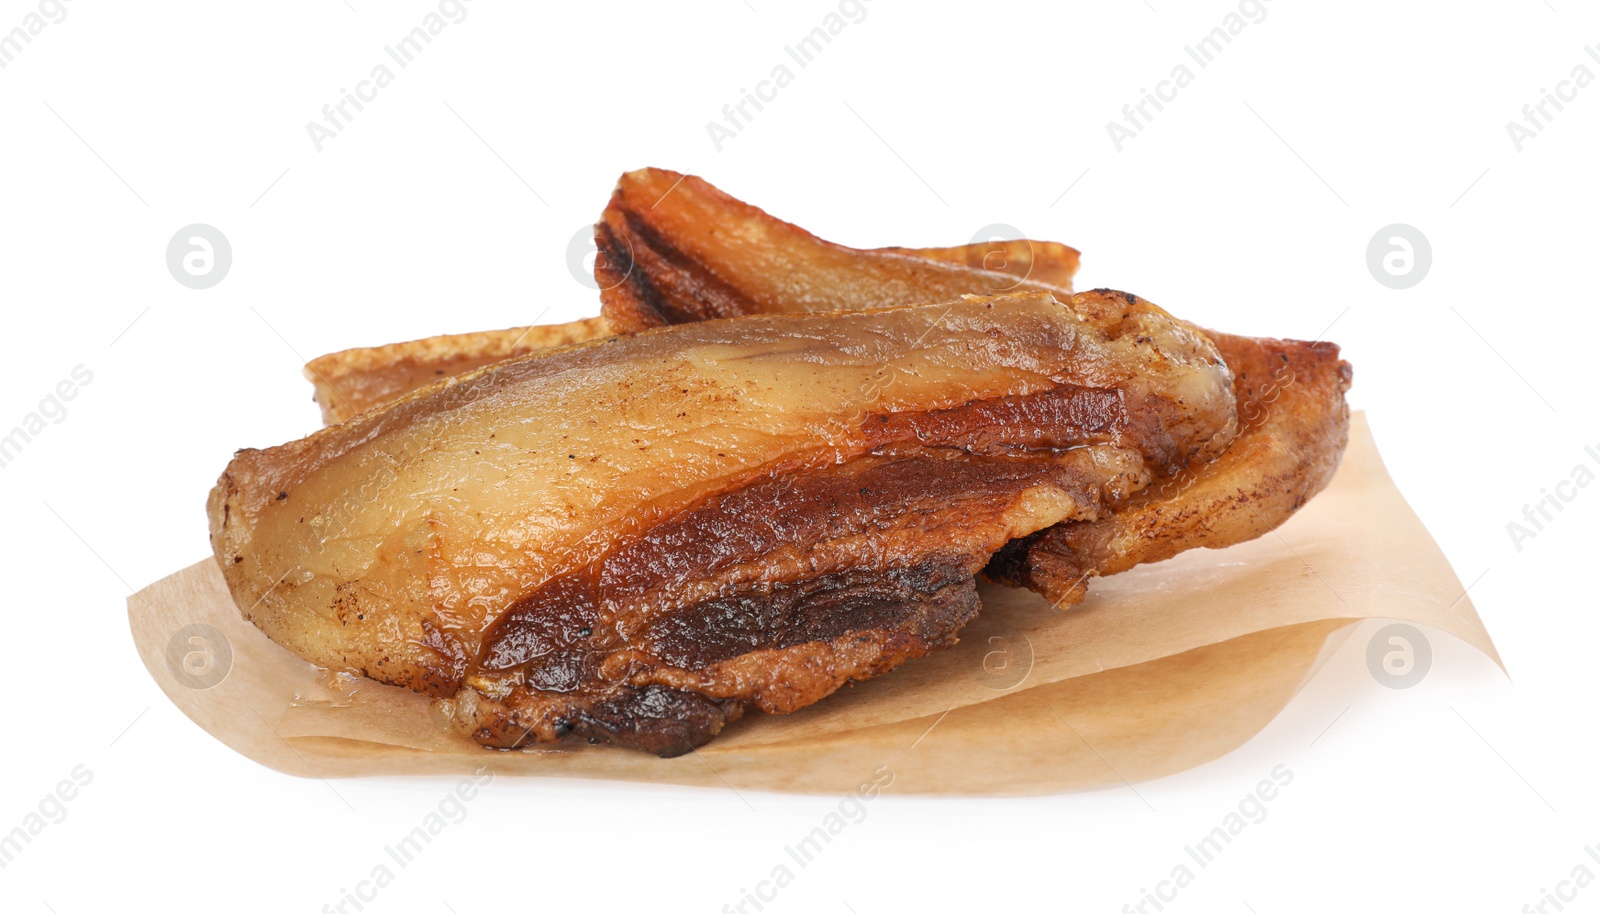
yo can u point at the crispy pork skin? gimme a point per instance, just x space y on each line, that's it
1293 427
673 249
636 538
352 381
1046 263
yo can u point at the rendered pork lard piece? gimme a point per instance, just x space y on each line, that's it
674 249
635 539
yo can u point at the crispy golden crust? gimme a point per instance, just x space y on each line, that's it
676 249
353 381
1049 262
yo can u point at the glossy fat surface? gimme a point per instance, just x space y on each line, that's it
387 544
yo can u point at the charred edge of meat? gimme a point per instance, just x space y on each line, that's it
667 722
877 620
852 604
647 281
628 300
559 641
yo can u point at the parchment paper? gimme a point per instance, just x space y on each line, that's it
1163 668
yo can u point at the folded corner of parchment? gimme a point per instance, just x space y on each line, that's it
1163 668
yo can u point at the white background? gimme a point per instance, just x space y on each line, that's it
448 204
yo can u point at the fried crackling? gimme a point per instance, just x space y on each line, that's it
636 538
352 381
674 249
1048 263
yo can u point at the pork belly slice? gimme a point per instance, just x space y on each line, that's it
674 249
635 539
